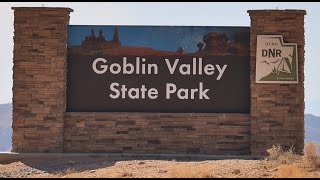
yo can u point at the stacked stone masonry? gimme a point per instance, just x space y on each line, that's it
39 78
41 124
277 110
167 133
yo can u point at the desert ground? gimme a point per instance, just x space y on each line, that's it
278 164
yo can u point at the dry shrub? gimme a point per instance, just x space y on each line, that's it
312 155
191 171
289 171
274 152
278 154
65 172
69 171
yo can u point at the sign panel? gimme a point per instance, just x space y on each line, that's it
276 61
177 69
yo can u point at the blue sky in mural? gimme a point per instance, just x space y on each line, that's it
157 37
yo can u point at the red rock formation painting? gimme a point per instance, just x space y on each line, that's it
99 43
219 44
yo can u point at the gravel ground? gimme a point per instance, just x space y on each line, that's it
98 167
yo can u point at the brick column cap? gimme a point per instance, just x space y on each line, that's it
42 9
288 11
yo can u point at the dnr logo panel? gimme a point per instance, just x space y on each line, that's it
158 69
277 62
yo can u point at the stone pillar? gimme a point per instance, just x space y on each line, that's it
39 78
277 110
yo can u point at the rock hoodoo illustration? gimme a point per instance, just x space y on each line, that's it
93 42
219 43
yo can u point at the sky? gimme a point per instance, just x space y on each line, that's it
169 14
168 38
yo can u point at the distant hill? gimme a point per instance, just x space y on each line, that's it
5 127
312 127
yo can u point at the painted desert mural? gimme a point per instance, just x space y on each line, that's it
150 40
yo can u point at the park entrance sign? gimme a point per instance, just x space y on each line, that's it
206 90
158 69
